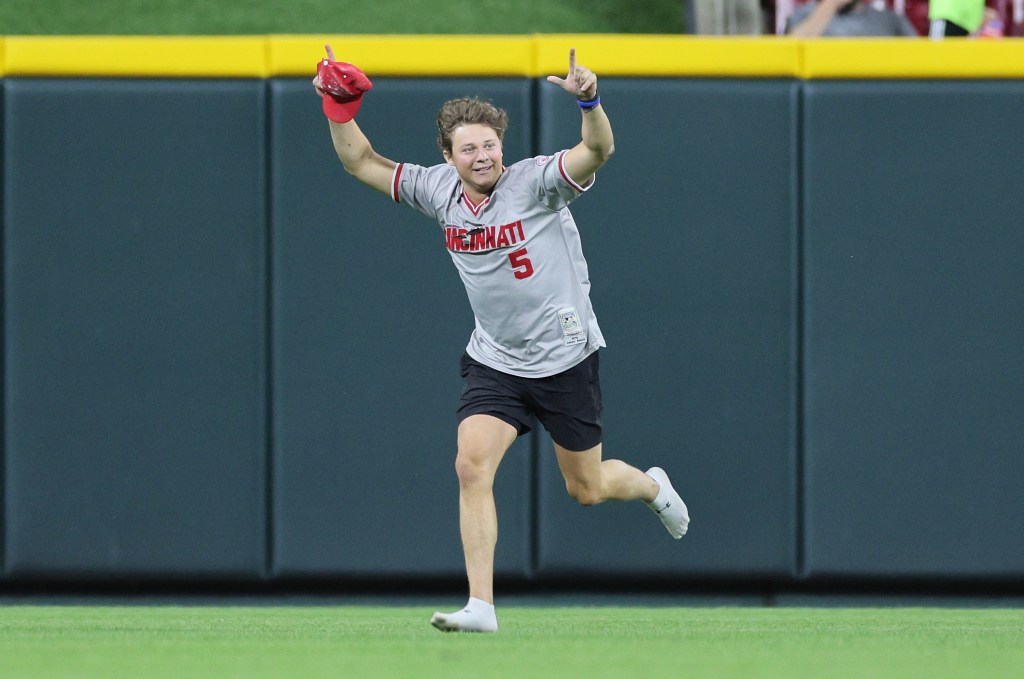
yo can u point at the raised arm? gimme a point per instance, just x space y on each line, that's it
359 158
598 143
354 149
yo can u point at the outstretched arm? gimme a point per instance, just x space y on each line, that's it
359 158
598 143
354 149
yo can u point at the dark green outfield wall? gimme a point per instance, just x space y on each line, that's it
225 360
913 319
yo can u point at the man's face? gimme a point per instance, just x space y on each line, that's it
476 156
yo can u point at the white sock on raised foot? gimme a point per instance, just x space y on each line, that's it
477 616
669 507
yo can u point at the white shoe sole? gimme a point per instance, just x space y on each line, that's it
441 622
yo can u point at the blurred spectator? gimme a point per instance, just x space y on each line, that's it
992 25
954 18
725 17
846 19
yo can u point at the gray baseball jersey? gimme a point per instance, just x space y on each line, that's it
519 255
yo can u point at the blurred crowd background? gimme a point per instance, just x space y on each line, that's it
1000 18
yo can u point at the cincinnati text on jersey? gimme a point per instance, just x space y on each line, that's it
484 238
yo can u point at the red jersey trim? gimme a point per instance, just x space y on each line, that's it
565 175
473 207
394 182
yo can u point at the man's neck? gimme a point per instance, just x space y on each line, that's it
475 196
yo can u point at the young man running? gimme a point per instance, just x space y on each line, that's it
534 350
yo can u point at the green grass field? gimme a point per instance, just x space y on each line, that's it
234 17
535 642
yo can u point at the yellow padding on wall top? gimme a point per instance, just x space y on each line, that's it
151 56
414 55
670 55
541 55
511 56
911 59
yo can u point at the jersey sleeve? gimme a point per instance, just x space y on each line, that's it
551 183
424 189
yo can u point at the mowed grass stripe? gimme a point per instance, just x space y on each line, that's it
159 641
320 17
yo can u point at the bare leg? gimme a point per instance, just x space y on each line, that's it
591 480
483 441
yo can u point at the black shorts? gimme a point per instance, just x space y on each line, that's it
567 404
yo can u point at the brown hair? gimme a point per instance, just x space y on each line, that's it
468 111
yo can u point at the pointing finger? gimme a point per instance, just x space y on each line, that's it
572 60
330 52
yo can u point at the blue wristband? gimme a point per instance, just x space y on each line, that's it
587 105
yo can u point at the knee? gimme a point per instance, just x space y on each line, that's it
585 494
472 470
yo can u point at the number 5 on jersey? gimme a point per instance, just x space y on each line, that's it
522 267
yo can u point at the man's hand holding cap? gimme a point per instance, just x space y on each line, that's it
342 86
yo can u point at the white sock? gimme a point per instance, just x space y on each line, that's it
476 616
669 507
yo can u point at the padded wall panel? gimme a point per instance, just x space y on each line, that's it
914 329
370 319
689 234
134 414
3 527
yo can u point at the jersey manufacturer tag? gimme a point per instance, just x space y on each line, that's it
572 329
